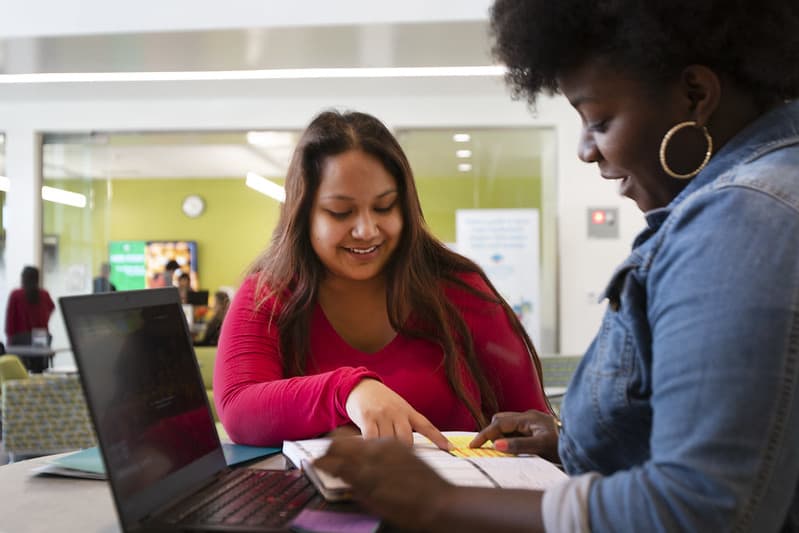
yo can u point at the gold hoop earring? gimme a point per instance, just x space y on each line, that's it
665 142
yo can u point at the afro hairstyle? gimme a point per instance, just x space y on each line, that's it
754 43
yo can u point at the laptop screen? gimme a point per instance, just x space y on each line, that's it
197 297
145 392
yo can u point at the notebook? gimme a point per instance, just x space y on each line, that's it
88 464
161 451
462 466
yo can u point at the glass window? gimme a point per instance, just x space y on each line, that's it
135 200
503 170
130 200
4 184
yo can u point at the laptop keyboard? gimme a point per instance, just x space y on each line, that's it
248 497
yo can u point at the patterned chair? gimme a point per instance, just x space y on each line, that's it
11 367
43 415
558 370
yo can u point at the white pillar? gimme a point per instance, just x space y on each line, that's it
24 202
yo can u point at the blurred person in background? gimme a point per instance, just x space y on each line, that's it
29 309
184 287
210 336
168 275
102 283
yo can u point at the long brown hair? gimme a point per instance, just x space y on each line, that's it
30 284
290 271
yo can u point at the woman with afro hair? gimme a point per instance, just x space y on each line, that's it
684 413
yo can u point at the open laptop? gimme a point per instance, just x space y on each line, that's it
156 433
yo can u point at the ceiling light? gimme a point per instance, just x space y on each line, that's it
463 154
266 186
267 74
60 196
464 167
461 137
272 139
5 183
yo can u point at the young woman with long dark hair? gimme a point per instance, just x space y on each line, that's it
356 315
29 307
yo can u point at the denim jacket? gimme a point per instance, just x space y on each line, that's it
687 400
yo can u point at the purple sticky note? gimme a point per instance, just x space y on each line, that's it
312 521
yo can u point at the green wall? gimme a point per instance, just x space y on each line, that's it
440 197
237 222
234 228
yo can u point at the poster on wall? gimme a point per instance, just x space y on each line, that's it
126 259
140 264
158 253
506 244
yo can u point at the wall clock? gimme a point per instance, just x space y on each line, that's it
193 205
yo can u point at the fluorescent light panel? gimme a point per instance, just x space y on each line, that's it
51 194
268 74
461 137
463 154
265 186
60 196
464 167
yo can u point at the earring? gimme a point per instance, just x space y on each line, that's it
665 142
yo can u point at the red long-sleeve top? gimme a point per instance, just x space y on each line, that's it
258 405
22 316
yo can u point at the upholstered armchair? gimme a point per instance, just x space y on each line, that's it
43 415
11 368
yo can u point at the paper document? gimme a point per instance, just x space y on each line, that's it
483 467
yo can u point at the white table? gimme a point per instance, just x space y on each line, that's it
35 504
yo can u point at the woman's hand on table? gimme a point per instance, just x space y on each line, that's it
380 412
531 432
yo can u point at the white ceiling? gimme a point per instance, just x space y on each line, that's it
65 17
253 48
